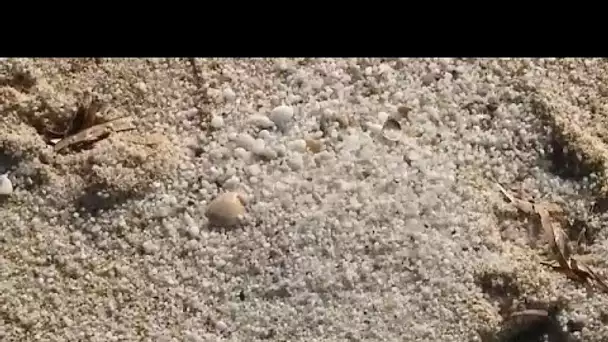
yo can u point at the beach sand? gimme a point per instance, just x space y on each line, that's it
355 230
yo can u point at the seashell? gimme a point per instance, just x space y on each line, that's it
391 130
226 210
6 187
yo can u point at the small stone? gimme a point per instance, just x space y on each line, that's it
217 122
268 153
429 78
254 170
374 128
141 86
192 229
261 121
298 145
6 187
221 326
404 111
150 247
282 116
245 141
229 95
226 210
258 146
382 116
264 134
242 153
296 163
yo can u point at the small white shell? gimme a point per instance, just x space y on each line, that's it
6 187
391 129
226 210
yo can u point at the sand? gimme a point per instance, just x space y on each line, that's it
352 232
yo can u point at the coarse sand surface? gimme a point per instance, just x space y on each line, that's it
369 185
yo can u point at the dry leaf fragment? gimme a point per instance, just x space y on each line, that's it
581 268
535 313
580 272
85 125
96 132
85 117
522 205
555 236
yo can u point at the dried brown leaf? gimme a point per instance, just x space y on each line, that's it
531 313
568 272
84 117
581 268
520 204
96 132
580 272
555 236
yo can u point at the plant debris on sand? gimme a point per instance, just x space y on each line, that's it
558 241
86 127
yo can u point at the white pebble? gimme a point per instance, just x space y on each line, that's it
150 247
232 183
298 145
141 86
258 146
282 116
268 153
261 121
221 326
374 128
6 187
245 141
264 134
242 153
217 122
254 170
229 95
296 163
192 229
226 210
382 116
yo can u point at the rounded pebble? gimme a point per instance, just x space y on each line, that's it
282 116
298 145
226 210
6 186
245 141
141 86
296 162
261 121
242 153
258 146
150 247
192 229
217 122
229 95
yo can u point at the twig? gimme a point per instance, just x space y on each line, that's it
195 72
96 132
